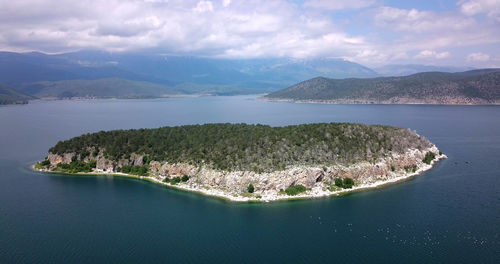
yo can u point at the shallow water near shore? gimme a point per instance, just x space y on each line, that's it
448 214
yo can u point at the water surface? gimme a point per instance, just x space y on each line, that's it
450 214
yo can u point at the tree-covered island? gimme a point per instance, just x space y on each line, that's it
251 162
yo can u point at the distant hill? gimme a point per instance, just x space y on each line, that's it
11 96
392 70
471 87
100 88
189 74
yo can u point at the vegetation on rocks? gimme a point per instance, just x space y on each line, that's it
429 156
294 190
348 183
135 170
75 166
345 183
258 148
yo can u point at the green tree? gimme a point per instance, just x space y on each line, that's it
348 183
338 182
429 156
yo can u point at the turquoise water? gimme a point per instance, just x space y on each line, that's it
450 214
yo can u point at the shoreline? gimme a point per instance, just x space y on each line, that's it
364 102
234 197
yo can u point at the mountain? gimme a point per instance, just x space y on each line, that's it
11 96
470 87
100 88
246 73
189 74
22 68
408 69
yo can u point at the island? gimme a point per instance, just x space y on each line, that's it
251 162
476 87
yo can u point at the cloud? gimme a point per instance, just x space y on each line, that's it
204 6
430 54
474 7
338 4
478 56
248 29
226 3
243 29
419 21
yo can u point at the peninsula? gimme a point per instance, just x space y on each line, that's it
244 162
463 88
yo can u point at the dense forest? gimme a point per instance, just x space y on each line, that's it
248 147
478 86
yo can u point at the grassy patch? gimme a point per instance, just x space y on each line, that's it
294 190
76 166
135 170
334 188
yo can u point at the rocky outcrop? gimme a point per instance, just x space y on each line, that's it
269 186
102 164
310 177
56 159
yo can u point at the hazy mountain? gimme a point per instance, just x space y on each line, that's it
408 69
11 96
471 87
100 88
22 68
192 74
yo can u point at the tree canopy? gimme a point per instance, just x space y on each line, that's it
248 147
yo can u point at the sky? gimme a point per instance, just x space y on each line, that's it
370 32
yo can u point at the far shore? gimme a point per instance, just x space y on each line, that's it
369 102
234 197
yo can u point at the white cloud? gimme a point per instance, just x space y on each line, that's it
204 6
419 21
226 3
243 29
338 4
431 54
478 56
252 28
474 7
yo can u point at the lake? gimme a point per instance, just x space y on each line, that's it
449 214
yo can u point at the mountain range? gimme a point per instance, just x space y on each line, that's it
98 74
37 74
470 87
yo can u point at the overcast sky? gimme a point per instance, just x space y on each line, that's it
371 32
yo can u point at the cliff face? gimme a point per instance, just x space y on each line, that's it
102 164
310 177
267 185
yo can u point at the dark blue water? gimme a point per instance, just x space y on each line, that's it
450 214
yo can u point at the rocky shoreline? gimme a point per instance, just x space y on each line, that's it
232 186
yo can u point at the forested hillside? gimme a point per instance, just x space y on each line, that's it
247 147
471 87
